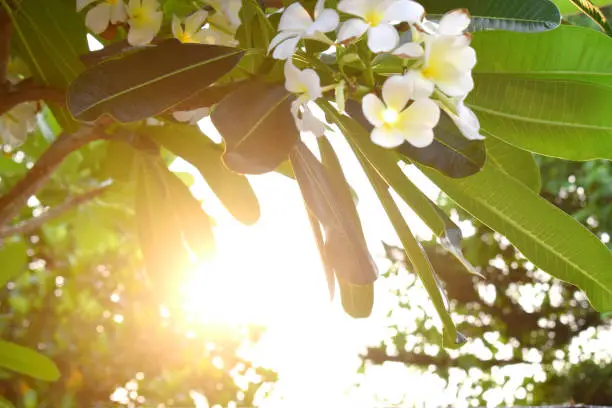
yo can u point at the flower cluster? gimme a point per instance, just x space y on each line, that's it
144 19
437 63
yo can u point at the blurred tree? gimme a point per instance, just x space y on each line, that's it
75 289
524 324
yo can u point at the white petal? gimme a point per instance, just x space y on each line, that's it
295 18
208 36
118 13
97 18
326 22
387 136
194 22
311 81
409 50
177 27
382 38
310 123
143 35
456 86
280 37
81 4
396 92
359 8
191 116
420 136
404 10
353 28
286 49
454 22
421 86
292 78
319 7
373 109
468 122
422 113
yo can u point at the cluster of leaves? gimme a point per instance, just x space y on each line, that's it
539 88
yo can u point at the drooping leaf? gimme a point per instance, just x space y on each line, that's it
547 236
330 276
344 246
549 100
28 362
515 15
258 128
451 153
517 163
13 260
416 255
50 36
232 189
357 300
145 83
566 6
594 13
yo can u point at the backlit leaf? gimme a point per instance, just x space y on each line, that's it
28 362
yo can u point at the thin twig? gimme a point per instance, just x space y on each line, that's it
66 143
31 225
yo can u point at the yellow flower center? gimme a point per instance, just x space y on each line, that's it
390 116
112 2
140 16
374 17
185 38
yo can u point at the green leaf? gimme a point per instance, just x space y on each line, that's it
4 403
147 82
595 14
9 167
232 189
451 153
416 255
566 6
13 260
25 361
515 15
255 32
547 236
260 139
586 55
50 37
345 247
357 300
517 163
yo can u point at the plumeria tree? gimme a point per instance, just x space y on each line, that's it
465 90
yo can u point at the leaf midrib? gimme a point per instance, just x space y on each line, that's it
155 80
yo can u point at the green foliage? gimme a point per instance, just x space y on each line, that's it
26 361
517 15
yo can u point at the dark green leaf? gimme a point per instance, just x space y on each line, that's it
515 15
50 37
566 6
147 82
257 126
595 14
13 260
344 246
518 163
451 153
547 236
25 361
233 189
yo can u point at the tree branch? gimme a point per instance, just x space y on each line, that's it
66 143
27 91
31 225
379 356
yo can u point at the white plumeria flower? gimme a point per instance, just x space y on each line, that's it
103 14
145 21
376 19
467 122
449 59
17 123
231 11
395 121
191 116
296 24
189 30
307 85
